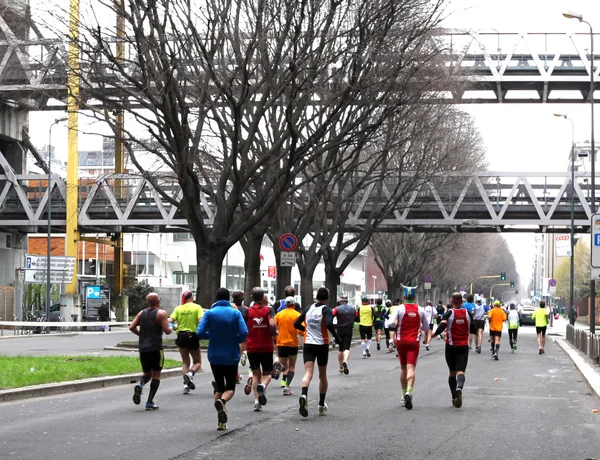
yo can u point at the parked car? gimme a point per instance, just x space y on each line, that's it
526 313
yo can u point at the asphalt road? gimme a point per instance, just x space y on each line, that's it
523 406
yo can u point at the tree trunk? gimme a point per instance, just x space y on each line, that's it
332 277
251 244
209 261
307 271
284 274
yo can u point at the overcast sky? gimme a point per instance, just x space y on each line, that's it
517 137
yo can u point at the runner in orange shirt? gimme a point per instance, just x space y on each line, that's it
287 341
497 318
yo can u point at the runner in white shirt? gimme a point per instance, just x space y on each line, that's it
430 313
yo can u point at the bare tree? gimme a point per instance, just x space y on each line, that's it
231 90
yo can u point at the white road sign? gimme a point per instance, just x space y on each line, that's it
288 259
61 269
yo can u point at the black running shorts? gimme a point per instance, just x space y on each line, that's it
495 333
366 332
479 323
225 378
541 330
457 358
152 360
318 353
286 352
345 335
261 360
188 340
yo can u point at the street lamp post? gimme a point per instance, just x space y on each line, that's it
374 288
571 15
572 236
49 248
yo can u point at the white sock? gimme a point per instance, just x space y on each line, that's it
369 342
256 401
363 345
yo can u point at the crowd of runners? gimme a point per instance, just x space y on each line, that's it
268 337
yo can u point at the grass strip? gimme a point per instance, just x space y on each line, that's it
21 371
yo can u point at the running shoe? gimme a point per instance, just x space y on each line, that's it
512 350
221 411
151 406
408 401
186 390
276 370
322 410
458 398
402 401
243 359
479 349
248 386
543 351
303 410
364 356
287 392
189 382
239 379
262 394
221 426
378 346
257 407
137 394
345 366
496 356
368 353
341 369
427 347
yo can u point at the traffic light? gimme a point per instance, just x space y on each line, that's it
503 276
512 284
516 291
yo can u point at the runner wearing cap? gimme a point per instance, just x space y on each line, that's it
287 342
188 316
497 318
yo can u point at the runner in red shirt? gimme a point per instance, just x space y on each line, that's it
458 322
407 320
259 346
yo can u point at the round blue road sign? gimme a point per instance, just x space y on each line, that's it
288 242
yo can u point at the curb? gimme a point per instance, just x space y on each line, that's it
590 374
52 389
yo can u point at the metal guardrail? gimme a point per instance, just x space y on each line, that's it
585 342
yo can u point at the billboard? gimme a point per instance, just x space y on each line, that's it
562 245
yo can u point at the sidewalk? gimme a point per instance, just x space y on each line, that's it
589 370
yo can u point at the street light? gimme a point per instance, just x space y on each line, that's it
374 278
49 248
572 265
579 17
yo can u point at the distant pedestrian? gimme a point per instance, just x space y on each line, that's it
261 331
458 322
572 315
378 321
188 316
550 315
366 316
345 314
149 325
479 316
430 314
287 342
440 313
540 316
471 307
386 323
408 320
314 322
225 329
497 317
514 321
